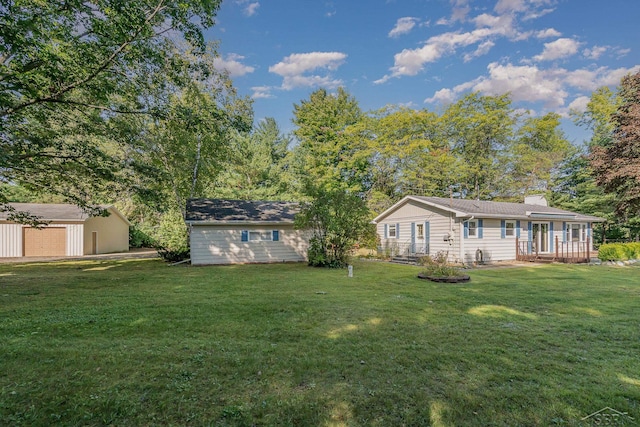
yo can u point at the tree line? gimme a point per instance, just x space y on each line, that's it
111 101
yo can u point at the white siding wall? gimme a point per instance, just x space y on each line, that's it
10 240
441 223
224 245
493 246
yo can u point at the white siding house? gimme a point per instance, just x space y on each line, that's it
471 231
237 231
68 231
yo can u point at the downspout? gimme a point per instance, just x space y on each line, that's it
462 237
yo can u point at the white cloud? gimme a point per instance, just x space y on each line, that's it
403 26
579 104
249 8
548 33
560 48
231 63
501 23
482 49
529 83
443 96
594 52
261 92
293 69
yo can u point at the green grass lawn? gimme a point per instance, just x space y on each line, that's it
141 343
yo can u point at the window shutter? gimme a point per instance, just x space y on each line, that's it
276 235
564 232
479 229
518 229
530 237
427 234
386 231
397 230
466 230
551 239
245 235
503 229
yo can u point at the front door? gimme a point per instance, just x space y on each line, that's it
540 237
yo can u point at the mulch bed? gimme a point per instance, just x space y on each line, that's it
449 279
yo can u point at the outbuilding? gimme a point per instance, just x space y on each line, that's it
68 231
241 231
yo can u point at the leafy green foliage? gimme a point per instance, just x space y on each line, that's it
67 69
619 251
337 221
256 166
616 164
438 265
325 156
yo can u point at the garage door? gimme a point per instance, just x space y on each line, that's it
49 241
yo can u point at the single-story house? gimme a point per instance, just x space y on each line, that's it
482 231
69 231
241 231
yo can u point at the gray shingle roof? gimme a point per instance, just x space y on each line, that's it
222 210
50 211
480 208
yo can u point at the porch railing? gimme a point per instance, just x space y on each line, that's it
567 252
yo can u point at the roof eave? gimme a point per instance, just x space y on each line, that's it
214 222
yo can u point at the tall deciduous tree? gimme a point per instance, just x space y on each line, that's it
539 149
66 68
480 129
617 164
324 155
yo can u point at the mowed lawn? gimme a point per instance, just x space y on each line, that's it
141 343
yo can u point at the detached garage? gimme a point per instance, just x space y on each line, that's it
241 231
69 232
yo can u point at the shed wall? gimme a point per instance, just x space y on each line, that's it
212 244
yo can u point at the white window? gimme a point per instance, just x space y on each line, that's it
473 228
258 236
392 230
420 231
576 232
509 228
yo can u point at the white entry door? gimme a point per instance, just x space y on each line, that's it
540 237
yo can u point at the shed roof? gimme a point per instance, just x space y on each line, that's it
239 211
57 211
489 209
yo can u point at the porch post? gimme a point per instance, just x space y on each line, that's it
517 250
556 247
588 249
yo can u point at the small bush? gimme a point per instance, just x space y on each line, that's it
619 251
438 265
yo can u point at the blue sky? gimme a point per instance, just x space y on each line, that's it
550 54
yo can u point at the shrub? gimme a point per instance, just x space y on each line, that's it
438 265
139 238
619 251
